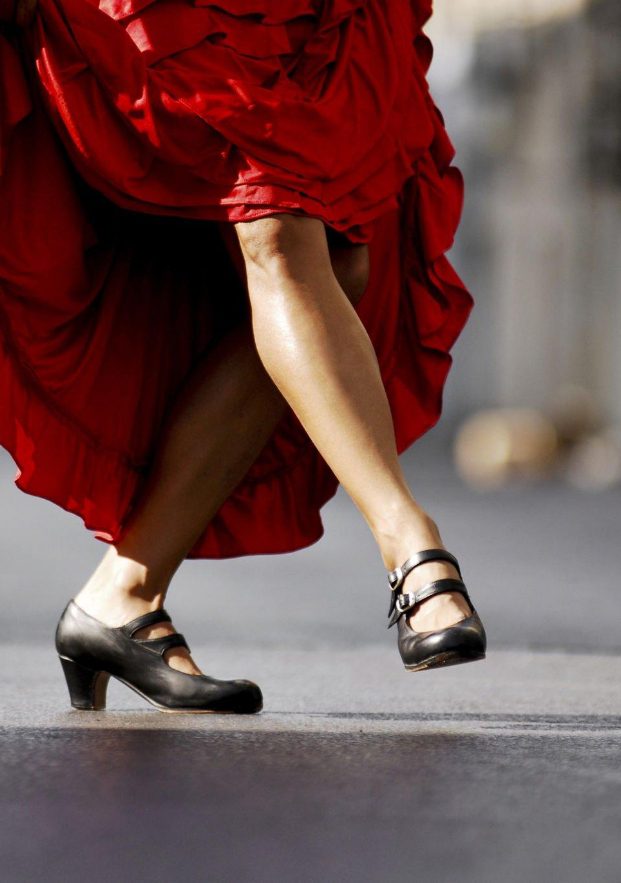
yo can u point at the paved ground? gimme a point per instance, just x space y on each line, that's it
506 770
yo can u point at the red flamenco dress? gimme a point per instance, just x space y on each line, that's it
129 129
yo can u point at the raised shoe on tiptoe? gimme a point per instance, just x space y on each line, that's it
465 641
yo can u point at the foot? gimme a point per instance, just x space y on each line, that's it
439 611
119 599
115 611
176 657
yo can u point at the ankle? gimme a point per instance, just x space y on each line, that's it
135 585
126 585
405 534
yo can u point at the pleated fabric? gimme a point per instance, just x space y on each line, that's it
129 131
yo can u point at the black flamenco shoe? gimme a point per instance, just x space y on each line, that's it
90 652
463 642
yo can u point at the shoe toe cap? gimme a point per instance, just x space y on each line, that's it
245 697
466 638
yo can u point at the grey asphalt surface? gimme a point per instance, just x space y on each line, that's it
505 770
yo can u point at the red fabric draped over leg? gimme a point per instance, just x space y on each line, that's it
127 133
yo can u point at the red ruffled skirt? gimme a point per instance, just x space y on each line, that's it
128 130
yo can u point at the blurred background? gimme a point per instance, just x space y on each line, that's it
523 471
531 94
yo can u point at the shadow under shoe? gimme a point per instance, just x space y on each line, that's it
91 652
465 641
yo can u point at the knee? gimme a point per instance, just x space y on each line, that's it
274 240
294 244
351 268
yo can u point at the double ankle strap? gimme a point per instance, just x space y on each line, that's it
400 602
159 645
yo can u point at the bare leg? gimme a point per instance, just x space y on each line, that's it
315 348
225 415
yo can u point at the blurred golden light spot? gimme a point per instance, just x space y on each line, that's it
594 463
500 444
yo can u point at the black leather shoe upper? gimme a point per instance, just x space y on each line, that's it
141 664
465 639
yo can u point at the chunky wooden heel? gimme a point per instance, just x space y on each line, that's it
87 688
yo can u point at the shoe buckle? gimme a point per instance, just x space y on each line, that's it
398 605
403 603
395 578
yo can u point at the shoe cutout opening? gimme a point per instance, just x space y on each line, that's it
178 655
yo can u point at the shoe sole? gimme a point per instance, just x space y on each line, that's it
442 660
183 710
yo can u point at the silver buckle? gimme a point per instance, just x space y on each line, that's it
395 578
400 606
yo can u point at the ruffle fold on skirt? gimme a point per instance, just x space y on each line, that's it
114 279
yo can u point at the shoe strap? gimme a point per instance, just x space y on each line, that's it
399 603
396 576
161 645
140 622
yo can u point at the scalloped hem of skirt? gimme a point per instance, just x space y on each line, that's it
232 532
